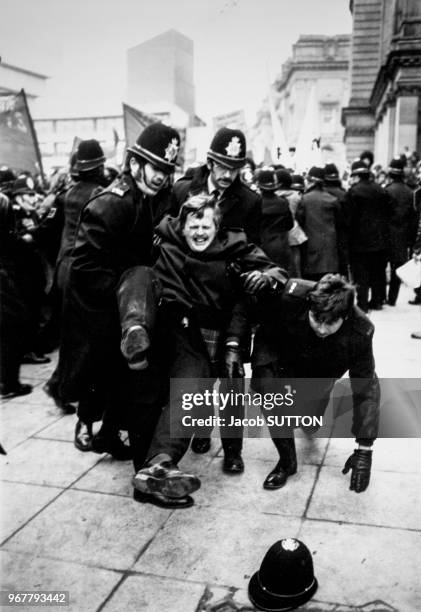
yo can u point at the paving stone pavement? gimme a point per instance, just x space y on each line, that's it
68 520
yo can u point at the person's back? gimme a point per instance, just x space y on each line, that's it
369 207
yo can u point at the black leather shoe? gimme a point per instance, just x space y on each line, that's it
201 445
35 359
277 478
233 463
83 436
15 391
416 335
164 478
133 346
111 444
157 499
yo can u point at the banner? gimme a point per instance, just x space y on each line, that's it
18 141
135 122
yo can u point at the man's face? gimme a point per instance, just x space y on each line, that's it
221 176
321 328
354 179
199 232
149 178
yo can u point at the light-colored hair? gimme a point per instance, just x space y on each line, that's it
196 205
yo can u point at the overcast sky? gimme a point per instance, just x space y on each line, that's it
81 45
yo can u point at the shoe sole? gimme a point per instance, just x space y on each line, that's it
136 341
145 498
177 486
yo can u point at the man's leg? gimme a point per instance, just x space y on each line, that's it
361 279
160 481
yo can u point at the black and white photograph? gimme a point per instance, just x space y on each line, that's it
210 305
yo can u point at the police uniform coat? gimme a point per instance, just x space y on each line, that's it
114 233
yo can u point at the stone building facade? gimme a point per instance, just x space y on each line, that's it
384 112
318 71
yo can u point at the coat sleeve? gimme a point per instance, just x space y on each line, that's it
365 389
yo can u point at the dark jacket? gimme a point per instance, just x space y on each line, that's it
207 285
73 202
403 221
368 209
285 337
320 216
276 221
114 233
240 206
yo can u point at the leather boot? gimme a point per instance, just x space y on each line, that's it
286 466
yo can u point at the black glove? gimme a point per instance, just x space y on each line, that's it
234 362
255 281
360 464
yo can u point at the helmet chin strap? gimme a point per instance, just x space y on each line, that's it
146 187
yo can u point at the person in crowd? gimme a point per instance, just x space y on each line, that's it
24 200
333 183
247 174
89 164
241 208
200 267
114 233
321 217
367 158
277 219
314 331
18 268
296 235
402 224
297 183
368 208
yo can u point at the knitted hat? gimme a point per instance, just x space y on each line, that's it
228 148
285 579
159 145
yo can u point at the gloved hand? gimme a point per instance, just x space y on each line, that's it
360 464
234 362
255 281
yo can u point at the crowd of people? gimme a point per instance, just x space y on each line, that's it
140 280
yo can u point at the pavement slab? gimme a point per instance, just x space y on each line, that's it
106 531
20 502
355 565
155 594
46 462
245 492
19 421
379 505
87 586
183 548
401 455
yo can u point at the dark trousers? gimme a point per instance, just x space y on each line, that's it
11 353
369 272
138 297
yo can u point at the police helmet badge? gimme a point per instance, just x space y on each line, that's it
234 147
172 150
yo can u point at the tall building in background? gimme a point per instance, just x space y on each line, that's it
160 76
317 73
384 112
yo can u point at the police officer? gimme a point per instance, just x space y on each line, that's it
114 233
314 331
